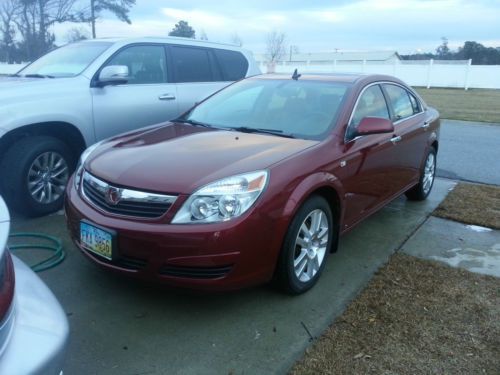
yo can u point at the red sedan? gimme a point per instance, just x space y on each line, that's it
255 183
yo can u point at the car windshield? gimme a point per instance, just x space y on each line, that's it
302 109
67 61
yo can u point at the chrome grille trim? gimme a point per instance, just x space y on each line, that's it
132 203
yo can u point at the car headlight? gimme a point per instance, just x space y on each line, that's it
222 200
79 168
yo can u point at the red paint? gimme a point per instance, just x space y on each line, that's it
7 284
374 125
178 159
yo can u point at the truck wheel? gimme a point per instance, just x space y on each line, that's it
35 172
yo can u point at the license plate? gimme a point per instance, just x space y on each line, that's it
97 240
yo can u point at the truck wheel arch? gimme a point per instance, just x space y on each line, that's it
66 132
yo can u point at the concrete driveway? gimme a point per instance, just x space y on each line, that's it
121 327
469 151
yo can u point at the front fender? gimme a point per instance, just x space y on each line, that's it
299 194
310 184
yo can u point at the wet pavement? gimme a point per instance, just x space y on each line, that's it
469 151
122 327
471 247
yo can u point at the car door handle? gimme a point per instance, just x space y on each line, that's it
395 139
426 125
167 97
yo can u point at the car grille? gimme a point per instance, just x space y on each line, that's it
125 262
131 263
122 201
195 272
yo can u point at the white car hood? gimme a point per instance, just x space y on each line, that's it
19 89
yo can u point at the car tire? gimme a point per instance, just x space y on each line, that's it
35 171
427 175
305 249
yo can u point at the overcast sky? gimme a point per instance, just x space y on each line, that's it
318 25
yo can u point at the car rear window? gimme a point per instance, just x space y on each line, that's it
233 64
191 64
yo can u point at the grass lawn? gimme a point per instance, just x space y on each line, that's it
415 317
458 104
472 204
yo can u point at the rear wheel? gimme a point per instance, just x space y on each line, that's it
422 190
35 172
306 246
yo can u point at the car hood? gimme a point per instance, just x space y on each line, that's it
14 89
178 158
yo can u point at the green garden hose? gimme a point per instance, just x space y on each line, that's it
55 247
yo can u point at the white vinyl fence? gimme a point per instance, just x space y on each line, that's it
425 73
10 68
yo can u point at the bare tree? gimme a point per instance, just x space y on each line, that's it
236 40
275 46
8 11
76 34
203 35
35 18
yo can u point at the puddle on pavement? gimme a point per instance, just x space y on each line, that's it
477 228
480 261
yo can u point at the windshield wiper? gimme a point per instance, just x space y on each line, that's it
193 122
14 75
38 76
279 133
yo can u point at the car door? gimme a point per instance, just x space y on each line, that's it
369 166
196 72
147 98
410 125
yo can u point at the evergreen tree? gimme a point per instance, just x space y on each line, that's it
120 8
182 29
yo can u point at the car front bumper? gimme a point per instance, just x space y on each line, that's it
219 256
36 343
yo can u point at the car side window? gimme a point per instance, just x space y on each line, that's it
146 64
415 104
400 101
191 64
371 103
233 64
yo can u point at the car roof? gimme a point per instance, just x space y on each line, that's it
336 77
170 39
352 78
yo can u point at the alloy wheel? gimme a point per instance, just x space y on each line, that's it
429 171
47 177
310 245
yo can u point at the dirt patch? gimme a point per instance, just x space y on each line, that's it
472 204
459 104
415 316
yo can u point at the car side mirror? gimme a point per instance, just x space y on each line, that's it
374 125
113 75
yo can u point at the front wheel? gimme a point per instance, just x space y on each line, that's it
35 172
422 190
306 246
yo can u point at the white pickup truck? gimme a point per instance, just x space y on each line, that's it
76 95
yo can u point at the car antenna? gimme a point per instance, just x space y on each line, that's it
296 75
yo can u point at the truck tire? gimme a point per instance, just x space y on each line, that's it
35 171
